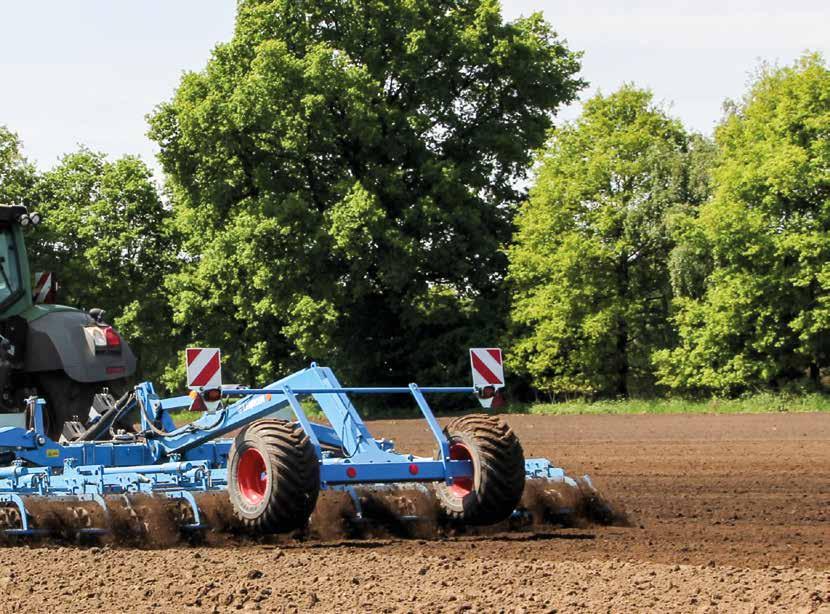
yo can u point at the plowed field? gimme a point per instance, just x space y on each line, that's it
726 514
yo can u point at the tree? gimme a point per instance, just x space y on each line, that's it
344 174
17 176
758 313
588 265
107 236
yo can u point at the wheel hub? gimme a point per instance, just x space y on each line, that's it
252 477
461 486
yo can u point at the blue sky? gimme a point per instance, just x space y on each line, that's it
88 71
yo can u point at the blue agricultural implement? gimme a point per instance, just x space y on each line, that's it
260 447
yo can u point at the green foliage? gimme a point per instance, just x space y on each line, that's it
107 237
761 403
752 271
17 176
344 178
589 260
344 174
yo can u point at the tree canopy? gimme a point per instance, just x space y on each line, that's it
589 263
344 175
346 182
106 235
17 175
759 312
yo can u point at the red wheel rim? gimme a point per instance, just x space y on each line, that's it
251 476
461 487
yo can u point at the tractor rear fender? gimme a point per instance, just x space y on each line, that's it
56 341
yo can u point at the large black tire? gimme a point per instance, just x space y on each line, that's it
65 398
273 476
498 470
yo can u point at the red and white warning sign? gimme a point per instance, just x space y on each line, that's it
488 375
488 369
204 368
45 289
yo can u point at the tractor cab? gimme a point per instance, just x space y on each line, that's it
63 354
13 295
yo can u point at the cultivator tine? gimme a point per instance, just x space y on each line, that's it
188 518
15 517
84 522
385 501
9 517
138 525
553 497
408 501
88 529
93 515
358 506
403 510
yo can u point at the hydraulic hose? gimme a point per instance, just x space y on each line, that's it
104 424
192 427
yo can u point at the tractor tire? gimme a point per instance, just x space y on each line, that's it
65 399
273 476
498 480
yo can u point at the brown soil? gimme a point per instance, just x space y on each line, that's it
726 513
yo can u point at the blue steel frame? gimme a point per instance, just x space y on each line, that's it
194 458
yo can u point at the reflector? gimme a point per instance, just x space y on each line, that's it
212 395
113 341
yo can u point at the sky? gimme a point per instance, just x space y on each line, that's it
87 72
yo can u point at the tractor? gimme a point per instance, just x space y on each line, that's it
62 354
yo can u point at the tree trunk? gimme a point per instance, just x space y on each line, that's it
815 374
622 332
622 356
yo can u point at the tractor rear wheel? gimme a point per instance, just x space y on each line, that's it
273 476
498 479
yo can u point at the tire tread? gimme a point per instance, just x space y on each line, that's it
292 463
501 467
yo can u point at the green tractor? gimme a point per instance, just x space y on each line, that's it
62 354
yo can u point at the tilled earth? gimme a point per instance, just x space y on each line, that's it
725 514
